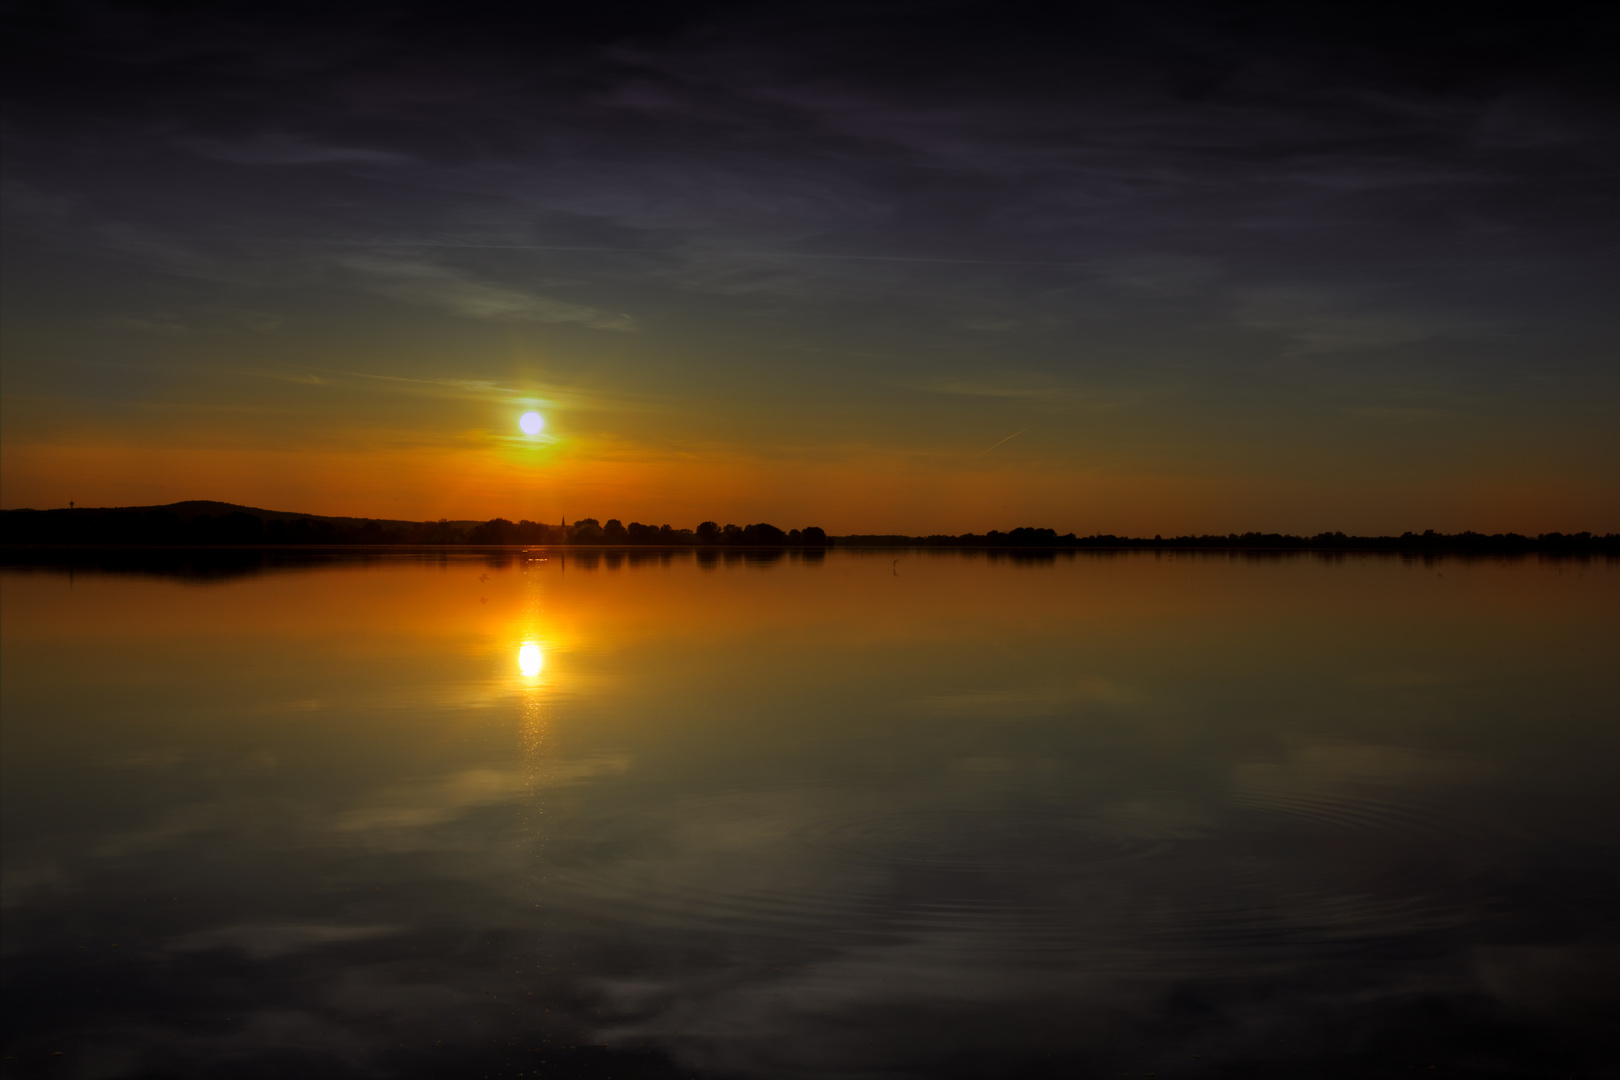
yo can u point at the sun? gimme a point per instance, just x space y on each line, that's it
531 423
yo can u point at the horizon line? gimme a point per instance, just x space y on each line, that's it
594 531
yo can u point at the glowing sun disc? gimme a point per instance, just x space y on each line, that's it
531 423
530 659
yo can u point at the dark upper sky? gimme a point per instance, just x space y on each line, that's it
1203 266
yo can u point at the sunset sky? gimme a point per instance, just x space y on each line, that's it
913 267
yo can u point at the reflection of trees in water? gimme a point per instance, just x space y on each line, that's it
196 565
1014 555
205 565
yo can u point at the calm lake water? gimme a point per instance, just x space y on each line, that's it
883 814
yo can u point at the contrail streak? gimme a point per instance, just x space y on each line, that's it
992 446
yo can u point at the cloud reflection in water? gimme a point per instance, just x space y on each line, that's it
815 820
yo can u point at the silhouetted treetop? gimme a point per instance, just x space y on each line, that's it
205 524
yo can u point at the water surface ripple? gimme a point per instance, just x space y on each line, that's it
1092 816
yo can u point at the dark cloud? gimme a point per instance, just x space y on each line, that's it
1238 214
946 153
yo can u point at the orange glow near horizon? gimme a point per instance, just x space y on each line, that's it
852 490
516 613
840 322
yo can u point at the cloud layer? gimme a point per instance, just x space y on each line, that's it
1229 220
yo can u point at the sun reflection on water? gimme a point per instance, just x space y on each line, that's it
530 659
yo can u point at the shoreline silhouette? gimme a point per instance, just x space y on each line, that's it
199 523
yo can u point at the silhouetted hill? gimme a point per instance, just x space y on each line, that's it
210 523
193 508
204 523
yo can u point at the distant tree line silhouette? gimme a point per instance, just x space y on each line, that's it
208 524
615 532
1428 540
221 524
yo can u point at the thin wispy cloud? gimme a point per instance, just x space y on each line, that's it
283 149
438 286
747 213
1067 397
